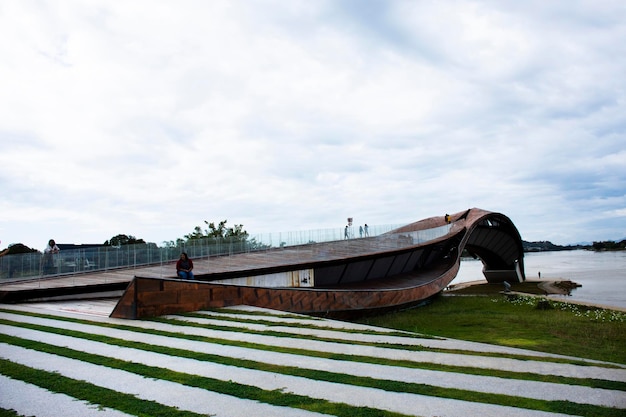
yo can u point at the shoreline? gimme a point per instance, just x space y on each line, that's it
550 289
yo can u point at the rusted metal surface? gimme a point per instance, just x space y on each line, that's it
149 297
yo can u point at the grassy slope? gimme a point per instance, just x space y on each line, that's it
491 318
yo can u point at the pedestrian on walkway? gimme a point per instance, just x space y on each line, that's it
48 257
360 231
366 229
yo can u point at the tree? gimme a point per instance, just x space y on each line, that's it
235 233
123 240
173 244
609 245
16 248
220 233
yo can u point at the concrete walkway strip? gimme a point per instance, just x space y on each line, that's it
298 333
463 360
412 339
475 361
202 401
272 381
163 392
408 340
30 400
291 318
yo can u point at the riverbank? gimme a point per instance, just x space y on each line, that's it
601 274
555 289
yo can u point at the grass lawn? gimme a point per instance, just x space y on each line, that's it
564 328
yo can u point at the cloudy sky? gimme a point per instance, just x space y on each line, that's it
149 117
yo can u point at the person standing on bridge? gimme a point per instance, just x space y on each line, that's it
48 260
184 265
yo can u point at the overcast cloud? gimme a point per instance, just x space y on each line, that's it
149 117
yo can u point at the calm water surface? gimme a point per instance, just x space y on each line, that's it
601 274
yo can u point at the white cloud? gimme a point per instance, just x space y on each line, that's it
149 117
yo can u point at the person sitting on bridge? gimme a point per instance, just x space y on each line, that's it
184 265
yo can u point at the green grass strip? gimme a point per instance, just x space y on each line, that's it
394 386
10 413
275 333
269 323
292 400
283 315
273 397
594 383
415 348
94 394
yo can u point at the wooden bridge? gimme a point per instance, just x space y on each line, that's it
353 276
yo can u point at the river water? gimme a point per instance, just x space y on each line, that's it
601 274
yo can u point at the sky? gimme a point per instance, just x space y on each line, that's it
147 118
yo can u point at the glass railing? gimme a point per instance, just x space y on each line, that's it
68 262
34 265
421 236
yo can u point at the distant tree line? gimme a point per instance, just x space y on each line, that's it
120 240
609 245
546 245
219 232
17 248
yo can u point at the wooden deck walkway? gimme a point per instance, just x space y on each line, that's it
116 276
272 258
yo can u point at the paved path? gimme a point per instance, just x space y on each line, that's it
273 338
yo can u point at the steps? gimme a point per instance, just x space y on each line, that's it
245 360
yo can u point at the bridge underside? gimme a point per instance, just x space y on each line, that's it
390 271
497 243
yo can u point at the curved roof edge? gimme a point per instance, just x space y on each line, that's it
494 239
490 236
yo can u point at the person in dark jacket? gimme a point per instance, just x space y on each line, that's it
184 265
